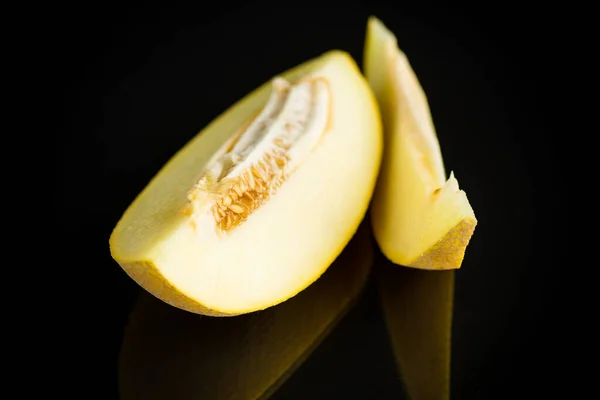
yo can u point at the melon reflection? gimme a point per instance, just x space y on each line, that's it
417 305
171 354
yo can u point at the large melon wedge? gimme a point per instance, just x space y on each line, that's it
419 218
258 205
171 354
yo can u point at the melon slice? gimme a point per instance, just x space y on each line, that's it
419 218
258 205
171 354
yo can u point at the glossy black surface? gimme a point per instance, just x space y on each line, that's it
144 81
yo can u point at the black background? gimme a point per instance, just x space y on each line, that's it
140 82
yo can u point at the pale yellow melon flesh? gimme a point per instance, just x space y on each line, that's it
171 354
289 241
419 218
417 306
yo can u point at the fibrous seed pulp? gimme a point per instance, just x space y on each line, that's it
257 161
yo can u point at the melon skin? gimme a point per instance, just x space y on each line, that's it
287 243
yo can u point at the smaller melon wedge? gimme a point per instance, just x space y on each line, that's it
171 354
419 218
258 205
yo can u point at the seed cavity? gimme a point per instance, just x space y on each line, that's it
257 161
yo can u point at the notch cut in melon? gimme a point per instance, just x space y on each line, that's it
419 218
258 205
